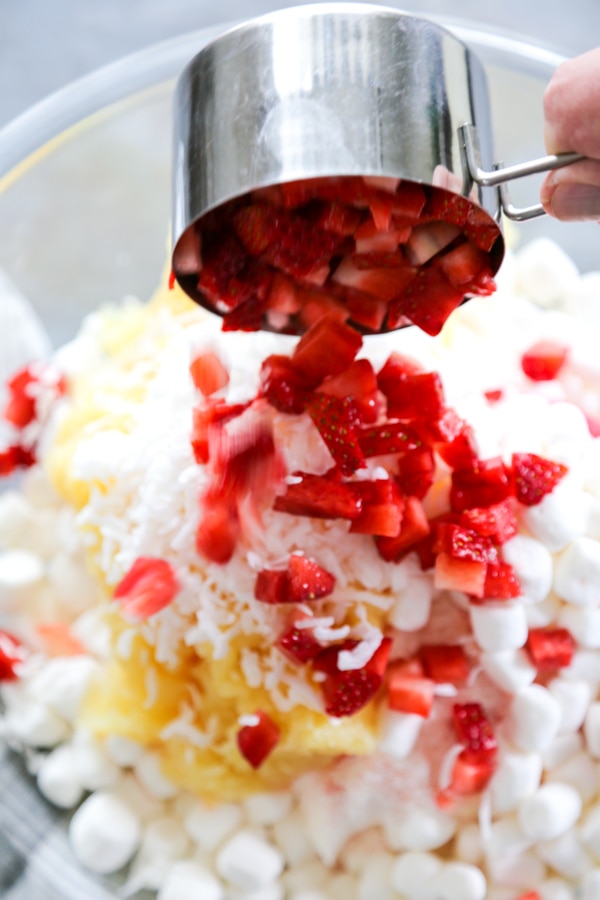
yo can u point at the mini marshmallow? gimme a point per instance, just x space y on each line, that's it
91 764
398 732
267 808
573 696
123 751
517 776
148 771
311 876
131 792
413 873
418 828
290 836
559 518
545 273
342 887
468 846
459 881
499 626
555 889
566 856
577 574
272 892
164 837
63 682
511 670
36 725
104 833
533 719
540 615
188 880
584 624
590 832
532 563
375 878
15 519
581 773
550 812
518 871
309 895
585 665
412 607
56 778
208 826
591 730
21 574
590 886
247 861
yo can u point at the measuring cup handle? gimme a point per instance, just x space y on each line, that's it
500 174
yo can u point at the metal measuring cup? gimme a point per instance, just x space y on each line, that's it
334 90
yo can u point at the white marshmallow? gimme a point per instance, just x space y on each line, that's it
104 832
581 773
518 871
540 615
375 878
533 719
21 574
15 519
164 837
36 725
131 791
545 273
342 887
468 846
518 776
309 895
565 422
590 886
412 875
590 831
591 730
247 861
577 574
563 748
148 771
412 607
188 880
272 892
581 301
63 682
555 889
56 778
559 518
91 765
573 696
123 751
311 876
511 670
398 732
290 836
266 809
459 881
417 828
566 856
584 624
532 563
550 812
499 626
208 826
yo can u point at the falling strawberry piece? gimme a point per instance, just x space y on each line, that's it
208 373
530 895
14 458
257 739
544 360
212 415
336 421
445 663
218 532
419 396
299 644
534 477
303 580
347 691
484 483
474 731
283 385
12 653
550 648
244 460
320 497
501 583
327 349
149 586
409 689
427 301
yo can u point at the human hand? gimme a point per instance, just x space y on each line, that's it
572 123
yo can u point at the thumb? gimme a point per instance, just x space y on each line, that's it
573 193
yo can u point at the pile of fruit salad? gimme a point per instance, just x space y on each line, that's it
315 618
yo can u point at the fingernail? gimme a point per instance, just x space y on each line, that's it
576 201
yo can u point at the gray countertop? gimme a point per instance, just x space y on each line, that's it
45 44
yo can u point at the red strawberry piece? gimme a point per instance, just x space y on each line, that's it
427 301
369 238
413 529
454 574
469 776
384 281
218 532
282 384
319 497
283 295
359 383
20 407
444 428
336 421
497 521
382 509
426 241
409 690
298 247
57 639
299 644
391 437
530 895
271 586
481 229
247 316
149 586
474 731
9 461
303 580
208 373
409 200
365 310
416 472
345 692
224 263
338 217
485 483
317 304
501 583
461 451
534 477
446 206
462 264
445 663
256 740
254 226
203 418
412 397
493 396
464 543
544 360
244 460
327 348
12 653
395 368
172 280
550 648
381 205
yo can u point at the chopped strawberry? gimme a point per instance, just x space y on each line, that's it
338 217
391 437
446 206
20 407
382 508
426 241
317 304
244 459
461 451
413 529
494 395
172 280
9 461
497 521
470 776
529 895
534 477
481 229
271 586
258 739
336 422
283 295
416 472
467 575
247 316
365 310
409 690
208 373
445 663
369 238
299 644
345 692
57 639
464 543
12 653
409 200
550 648
224 265
395 368
427 301
357 382
319 497
385 280
212 415
149 586
327 349
254 227
462 264
474 731
302 581
218 532
296 246
544 360
485 483
419 396
501 583
282 385
444 429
